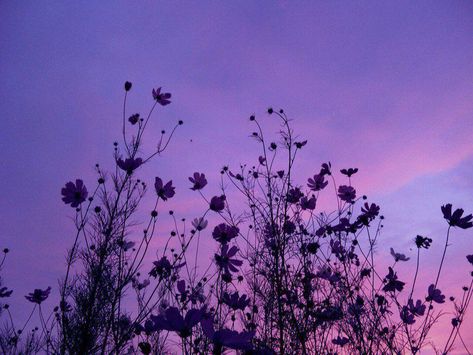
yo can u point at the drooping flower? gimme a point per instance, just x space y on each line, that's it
199 223
198 180
235 302
435 295
225 260
392 282
349 172
398 256
223 233
164 191
455 219
217 203
346 193
129 164
173 321
161 97
38 296
74 194
341 341
293 195
418 309
4 292
308 204
406 316
317 183
226 337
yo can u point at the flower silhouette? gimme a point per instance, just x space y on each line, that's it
317 183
129 164
217 203
173 321
226 337
435 295
392 282
223 233
225 260
308 204
199 223
164 191
161 97
38 296
4 292
235 302
398 256
74 194
455 219
346 193
349 172
198 180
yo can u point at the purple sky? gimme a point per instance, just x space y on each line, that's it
387 88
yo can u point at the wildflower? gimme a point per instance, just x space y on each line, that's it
325 170
289 227
456 219
349 172
308 204
198 180
235 302
342 341
38 295
127 245
129 164
423 242
225 260
261 160
223 233
398 256
217 203
164 191
127 86
4 292
392 282
199 223
418 309
312 248
74 194
226 337
133 119
470 259
435 295
161 98
370 211
317 183
163 268
299 145
346 193
406 316
173 321
293 195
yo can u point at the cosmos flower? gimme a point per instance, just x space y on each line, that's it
308 204
406 316
317 183
235 302
435 295
346 193
349 172
74 194
164 191
398 256
455 219
223 233
423 242
293 195
163 268
198 180
392 282
173 321
161 98
200 223
217 203
371 211
4 292
470 259
133 119
129 164
225 260
341 341
418 309
38 296
226 337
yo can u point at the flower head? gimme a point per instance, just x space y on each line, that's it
199 223
317 183
164 191
173 321
161 97
423 242
129 164
455 219
163 268
225 260
226 337
406 316
349 172
133 119
435 295
38 295
417 309
398 256
392 283
74 194
470 259
346 193
217 203
223 233
198 180
308 203
341 341
4 292
235 302
293 195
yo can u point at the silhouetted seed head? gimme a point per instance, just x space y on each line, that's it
100 180
154 213
180 122
97 209
252 117
127 86
270 110
6 250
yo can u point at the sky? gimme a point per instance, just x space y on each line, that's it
383 86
